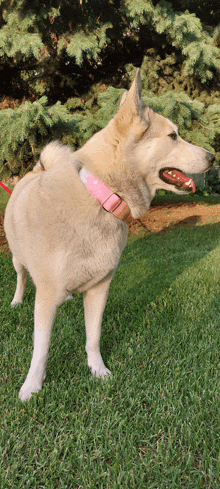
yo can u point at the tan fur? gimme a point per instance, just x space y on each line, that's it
65 240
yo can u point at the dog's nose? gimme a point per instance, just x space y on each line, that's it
210 157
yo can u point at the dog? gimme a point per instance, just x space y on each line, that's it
65 220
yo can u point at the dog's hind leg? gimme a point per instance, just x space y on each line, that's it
21 282
94 305
44 315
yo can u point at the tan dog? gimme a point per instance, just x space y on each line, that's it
66 240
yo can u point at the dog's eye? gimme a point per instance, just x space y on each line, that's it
173 135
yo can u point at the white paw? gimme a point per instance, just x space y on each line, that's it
103 373
14 303
27 389
98 368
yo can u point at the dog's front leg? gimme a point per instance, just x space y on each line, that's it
44 316
94 305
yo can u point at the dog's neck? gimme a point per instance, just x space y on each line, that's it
109 201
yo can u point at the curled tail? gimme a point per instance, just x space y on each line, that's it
51 154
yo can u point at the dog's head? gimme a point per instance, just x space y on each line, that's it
154 151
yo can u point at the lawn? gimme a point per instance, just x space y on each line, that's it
156 423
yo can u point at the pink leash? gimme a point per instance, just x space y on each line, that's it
5 188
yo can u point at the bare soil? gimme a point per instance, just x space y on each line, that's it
161 216
3 241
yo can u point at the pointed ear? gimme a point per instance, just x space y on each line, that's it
130 110
123 98
135 90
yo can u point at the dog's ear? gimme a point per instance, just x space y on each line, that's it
130 112
123 98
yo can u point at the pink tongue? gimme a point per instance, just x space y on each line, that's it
187 182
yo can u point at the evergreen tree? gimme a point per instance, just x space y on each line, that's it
60 59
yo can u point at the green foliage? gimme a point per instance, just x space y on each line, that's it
184 31
26 129
76 52
63 46
90 43
108 103
212 183
16 40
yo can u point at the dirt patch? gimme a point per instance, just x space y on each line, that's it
161 215
3 241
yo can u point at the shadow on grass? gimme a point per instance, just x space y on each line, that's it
166 254
176 263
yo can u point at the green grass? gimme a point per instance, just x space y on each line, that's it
4 197
156 423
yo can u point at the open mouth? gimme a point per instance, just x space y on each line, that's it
177 178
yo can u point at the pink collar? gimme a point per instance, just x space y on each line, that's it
110 202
